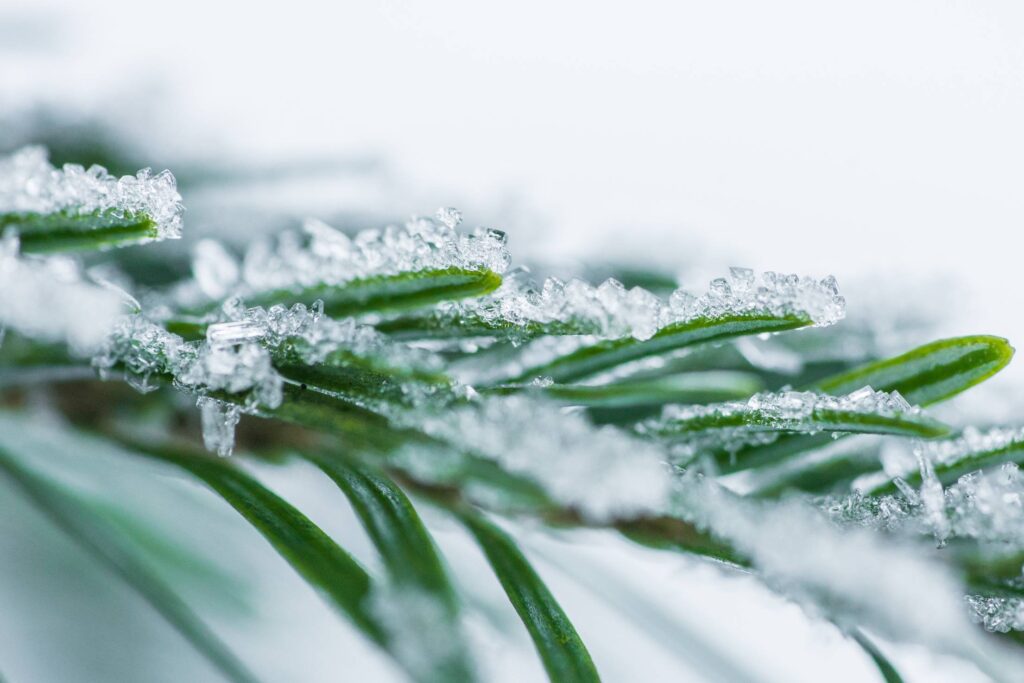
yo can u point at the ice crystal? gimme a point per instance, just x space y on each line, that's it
219 420
271 326
232 368
886 513
327 256
449 216
143 350
139 347
772 293
48 299
29 184
985 506
599 471
996 614
611 311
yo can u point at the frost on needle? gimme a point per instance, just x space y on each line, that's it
520 308
325 257
76 207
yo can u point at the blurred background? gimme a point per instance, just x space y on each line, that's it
878 141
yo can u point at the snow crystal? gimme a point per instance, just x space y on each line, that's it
327 256
601 472
48 299
233 332
907 490
29 184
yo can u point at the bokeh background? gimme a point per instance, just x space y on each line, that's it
878 141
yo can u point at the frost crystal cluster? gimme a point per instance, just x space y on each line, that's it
144 352
696 430
327 256
29 184
792 410
1000 615
611 311
311 335
983 506
969 445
